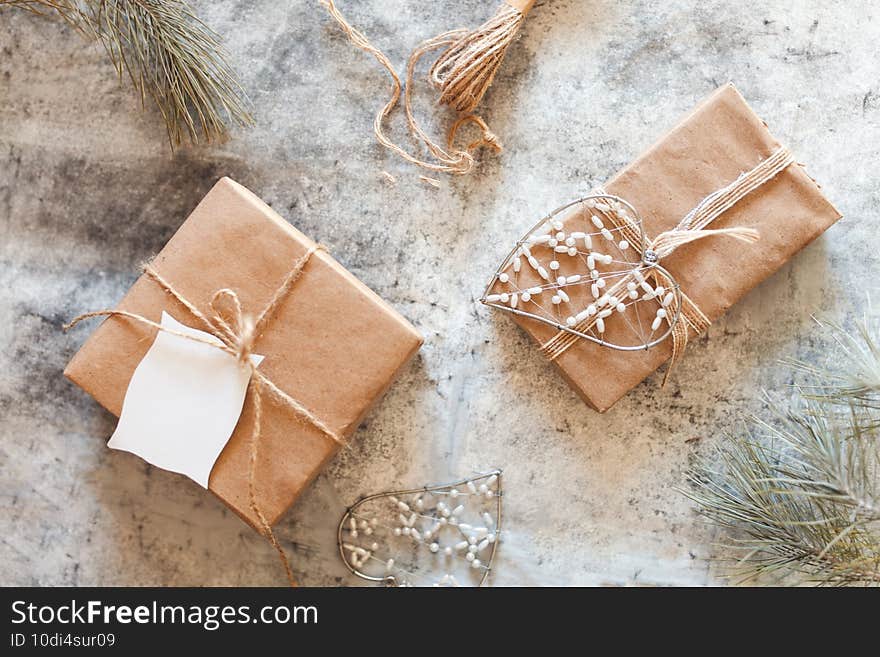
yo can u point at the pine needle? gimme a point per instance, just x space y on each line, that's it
800 495
168 54
858 382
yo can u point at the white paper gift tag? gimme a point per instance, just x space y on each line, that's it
182 403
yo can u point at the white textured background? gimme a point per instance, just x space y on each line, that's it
88 189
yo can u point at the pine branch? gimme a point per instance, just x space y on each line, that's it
800 495
858 382
168 54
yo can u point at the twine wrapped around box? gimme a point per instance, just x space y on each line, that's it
691 228
237 332
639 277
234 240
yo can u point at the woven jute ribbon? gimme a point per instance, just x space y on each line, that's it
691 228
238 331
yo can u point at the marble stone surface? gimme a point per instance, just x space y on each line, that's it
89 188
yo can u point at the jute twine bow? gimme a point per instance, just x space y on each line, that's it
690 229
237 332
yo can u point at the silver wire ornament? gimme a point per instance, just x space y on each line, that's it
561 271
455 528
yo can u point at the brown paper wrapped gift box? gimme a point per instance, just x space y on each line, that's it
719 140
333 344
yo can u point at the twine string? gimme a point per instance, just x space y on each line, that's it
691 228
455 161
237 332
466 70
456 78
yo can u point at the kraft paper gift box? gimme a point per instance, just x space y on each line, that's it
720 139
332 344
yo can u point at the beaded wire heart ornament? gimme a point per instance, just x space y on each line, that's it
576 271
405 537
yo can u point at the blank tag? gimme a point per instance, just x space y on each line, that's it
182 403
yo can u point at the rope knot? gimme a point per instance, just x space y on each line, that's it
486 137
491 140
235 328
237 332
244 345
463 163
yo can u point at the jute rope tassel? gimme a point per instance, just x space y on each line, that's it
462 73
237 332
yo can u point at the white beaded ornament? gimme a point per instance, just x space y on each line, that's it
576 271
444 535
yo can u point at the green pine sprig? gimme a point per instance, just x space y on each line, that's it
799 496
168 54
